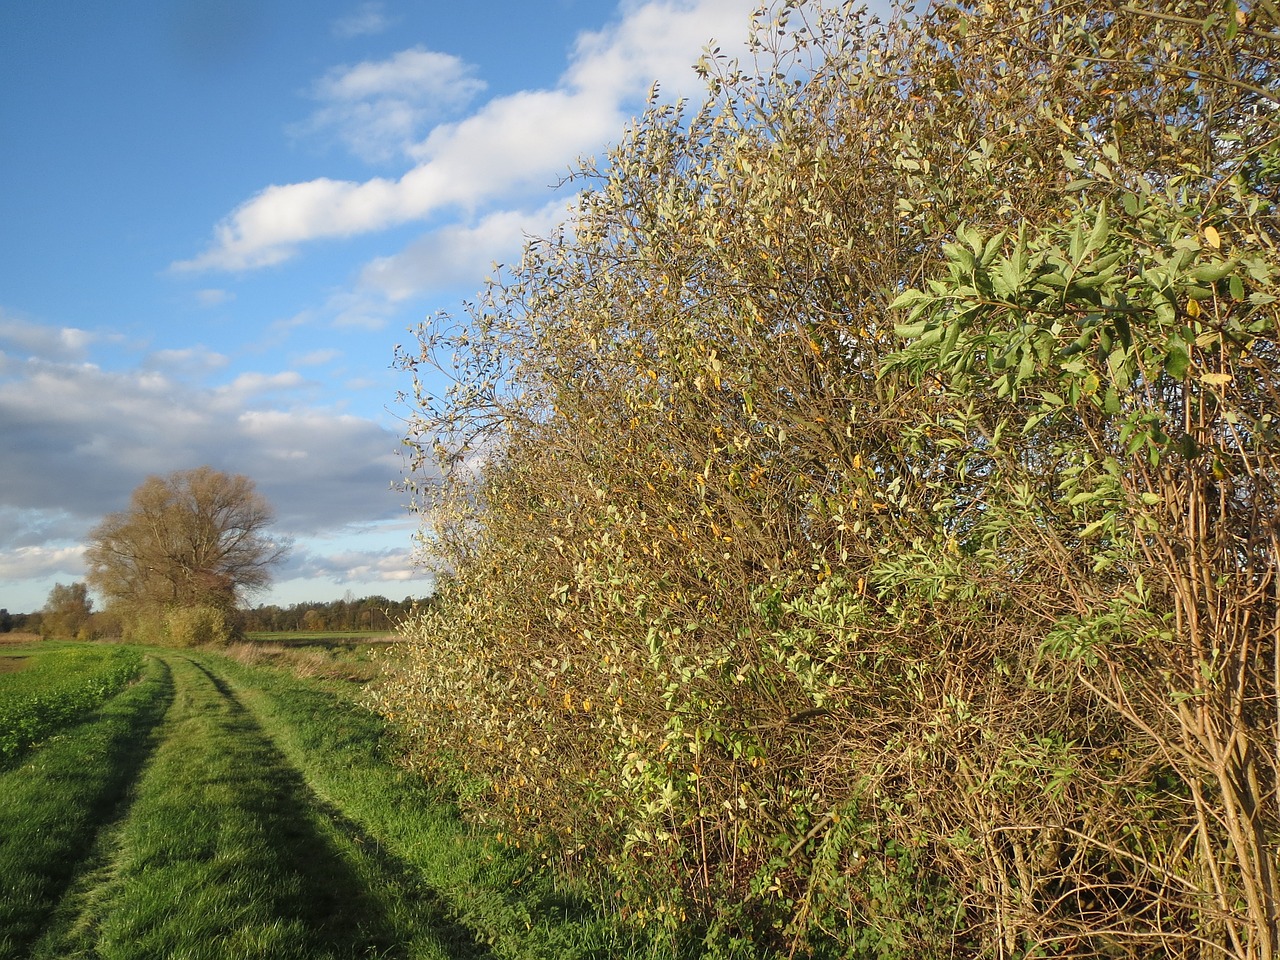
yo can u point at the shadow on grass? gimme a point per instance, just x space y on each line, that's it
419 833
262 854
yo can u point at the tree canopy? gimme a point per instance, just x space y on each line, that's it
67 610
862 518
191 540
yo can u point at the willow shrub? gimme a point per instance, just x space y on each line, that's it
859 517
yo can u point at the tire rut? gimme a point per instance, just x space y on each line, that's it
222 854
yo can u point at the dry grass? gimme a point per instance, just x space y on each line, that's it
330 663
13 664
18 638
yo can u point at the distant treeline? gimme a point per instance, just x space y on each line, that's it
349 613
369 613
18 622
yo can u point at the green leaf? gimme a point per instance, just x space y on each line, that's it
1212 272
1177 360
1101 230
909 297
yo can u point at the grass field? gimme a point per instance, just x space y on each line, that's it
192 805
319 637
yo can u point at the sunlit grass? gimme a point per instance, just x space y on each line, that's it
58 683
497 897
53 804
216 809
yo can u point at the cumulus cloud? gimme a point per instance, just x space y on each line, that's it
507 145
366 20
78 439
458 253
26 339
378 108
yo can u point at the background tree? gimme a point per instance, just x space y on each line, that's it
67 610
178 561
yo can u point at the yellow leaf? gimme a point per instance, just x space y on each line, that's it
1193 308
1216 379
1212 237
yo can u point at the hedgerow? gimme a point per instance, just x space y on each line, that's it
861 518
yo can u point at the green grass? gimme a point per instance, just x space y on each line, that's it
54 805
498 897
220 809
317 636
59 683
224 853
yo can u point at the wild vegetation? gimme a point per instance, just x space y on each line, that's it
861 519
68 611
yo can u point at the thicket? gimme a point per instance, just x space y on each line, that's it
862 516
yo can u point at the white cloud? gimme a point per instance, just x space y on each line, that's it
656 42
512 143
458 254
197 360
248 386
367 19
358 566
40 562
79 439
317 358
378 108
214 298
358 310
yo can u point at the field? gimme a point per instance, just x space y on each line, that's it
163 803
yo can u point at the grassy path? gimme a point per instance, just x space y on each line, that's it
213 810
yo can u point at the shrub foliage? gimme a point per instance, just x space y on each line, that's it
862 516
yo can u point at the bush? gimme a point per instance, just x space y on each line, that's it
200 626
193 626
862 517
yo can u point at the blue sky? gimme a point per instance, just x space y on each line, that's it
220 216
